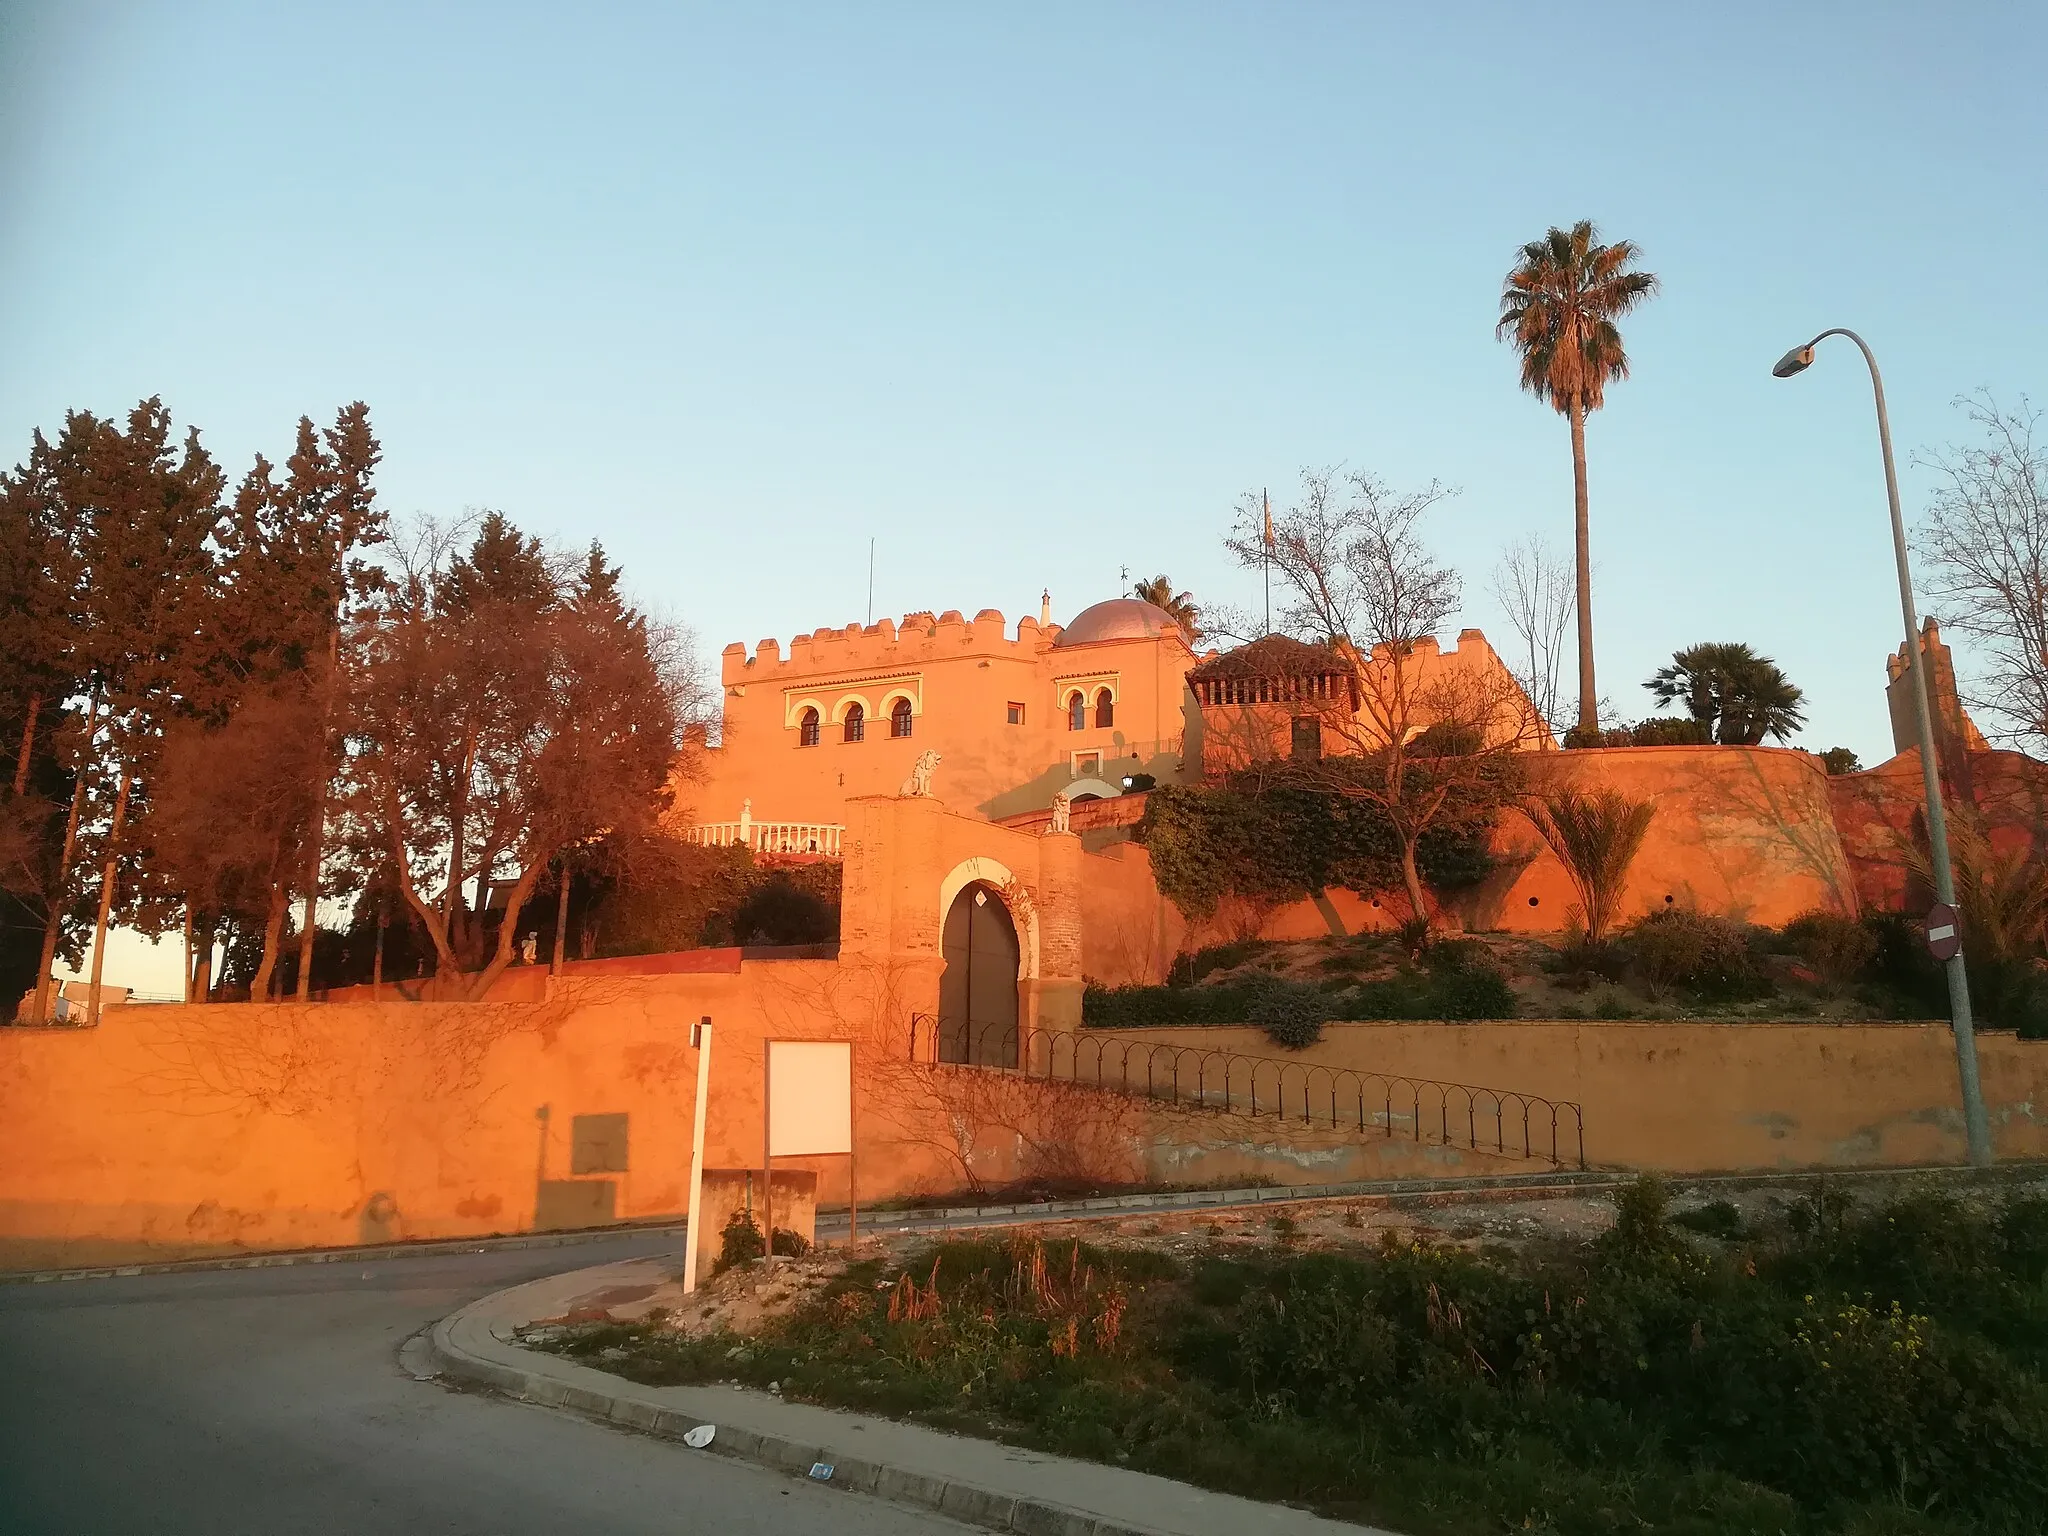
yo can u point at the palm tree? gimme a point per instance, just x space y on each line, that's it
1596 838
1737 695
1180 606
1560 304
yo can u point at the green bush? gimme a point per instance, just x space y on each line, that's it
1476 992
1668 731
1190 968
1710 957
1140 1007
1835 948
1856 1372
1292 1016
739 1241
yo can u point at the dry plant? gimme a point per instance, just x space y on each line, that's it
1533 585
1984 551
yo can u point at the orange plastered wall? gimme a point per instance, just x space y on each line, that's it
171 1130
1742 832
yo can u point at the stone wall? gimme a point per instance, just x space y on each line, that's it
1696 1097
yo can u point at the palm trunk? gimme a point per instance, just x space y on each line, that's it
377 958
28 744
53 923
1589 692
99 932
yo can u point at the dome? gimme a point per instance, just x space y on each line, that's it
1121 618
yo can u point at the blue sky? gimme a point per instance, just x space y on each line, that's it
1031 295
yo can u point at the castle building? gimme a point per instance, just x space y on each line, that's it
1019 719
1016 718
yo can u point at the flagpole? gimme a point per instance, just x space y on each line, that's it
1266 503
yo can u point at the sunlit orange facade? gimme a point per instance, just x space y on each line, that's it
1017 716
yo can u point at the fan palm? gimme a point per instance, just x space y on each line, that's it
1596 838
1737 695
1180 606
1559 305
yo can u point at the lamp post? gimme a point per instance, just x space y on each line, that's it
1975 1124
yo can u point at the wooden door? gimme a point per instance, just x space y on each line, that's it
978 989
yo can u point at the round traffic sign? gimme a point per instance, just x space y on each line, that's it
1944 931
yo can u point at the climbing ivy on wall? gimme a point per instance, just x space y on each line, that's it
1270 844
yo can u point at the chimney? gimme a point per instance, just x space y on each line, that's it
1045 608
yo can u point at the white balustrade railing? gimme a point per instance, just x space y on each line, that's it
819 837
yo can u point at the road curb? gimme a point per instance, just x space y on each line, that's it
979 1482
974 1505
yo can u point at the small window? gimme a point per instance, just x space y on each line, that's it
1016 713
1087 765
1308 738
899 719
1105 710
856 723
1077 713
807 729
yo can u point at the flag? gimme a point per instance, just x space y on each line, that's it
1268 504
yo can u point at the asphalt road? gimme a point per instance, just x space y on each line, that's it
272 1401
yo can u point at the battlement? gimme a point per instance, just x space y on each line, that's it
919 638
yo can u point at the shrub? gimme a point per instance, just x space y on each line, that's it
1718 1218
1709 956
1668 731
1141 1007
739 1241
1606 736
1834 948
1903 968
781 911
1476 992
791 1245
1291 1016
1190 968
1839 760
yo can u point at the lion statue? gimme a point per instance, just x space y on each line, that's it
920 781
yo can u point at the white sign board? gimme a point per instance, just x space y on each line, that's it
810 1098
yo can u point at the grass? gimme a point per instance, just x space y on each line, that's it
1826 1371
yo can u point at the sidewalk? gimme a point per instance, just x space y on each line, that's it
977 1481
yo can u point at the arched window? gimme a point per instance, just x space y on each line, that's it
899 719
856 723
1077 713
807 729
1105 710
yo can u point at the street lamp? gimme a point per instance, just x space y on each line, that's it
1977 1127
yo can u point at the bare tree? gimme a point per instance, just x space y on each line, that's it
1984 547
1426 743
1533 585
